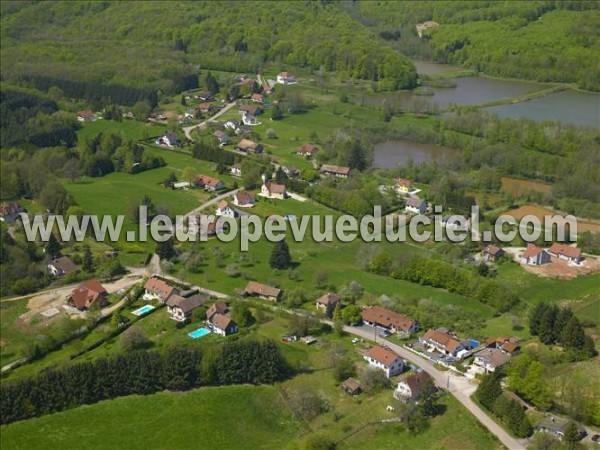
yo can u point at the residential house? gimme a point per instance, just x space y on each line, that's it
490 359
61 266
328 302
169 139
391 320
206 108
182 185
87 295
566 252
511 347
248 146
291 171
442 341
285 78
223 209
158 289
558 427
216 308
424 26
402 185
386 360
250 120
263 291
535 256
257 98
244 199
9 212
223 325
271 189
409 388
204 96
189 113
221 136
86 116
307 150
245 80
492 253
181 308
351 387
254 110
232 124
415 205
236 170
335 171
209 183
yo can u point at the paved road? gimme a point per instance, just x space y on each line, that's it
188 130
204 205
460 387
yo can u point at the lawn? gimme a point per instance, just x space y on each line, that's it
130 129
243 417
13 338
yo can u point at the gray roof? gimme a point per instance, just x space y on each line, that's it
415 202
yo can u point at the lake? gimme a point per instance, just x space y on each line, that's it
430 68
570 106
468 91
391 153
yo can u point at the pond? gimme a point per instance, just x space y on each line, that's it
391 153
570 106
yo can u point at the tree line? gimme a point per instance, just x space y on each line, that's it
141 372
556 325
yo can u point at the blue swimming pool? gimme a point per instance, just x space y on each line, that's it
199 333
143 310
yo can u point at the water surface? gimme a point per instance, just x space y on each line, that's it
391 153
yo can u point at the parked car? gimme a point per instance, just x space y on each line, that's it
355 341
596 438
384 333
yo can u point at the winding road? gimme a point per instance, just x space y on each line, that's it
188 130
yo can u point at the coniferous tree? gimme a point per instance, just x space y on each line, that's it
489 390
573 336
547 329
280 256
166 249
276 113
562 318
52 247
535 318
88 260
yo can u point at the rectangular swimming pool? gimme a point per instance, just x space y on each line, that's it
143 310
199 333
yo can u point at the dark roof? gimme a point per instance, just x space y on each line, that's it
64 264
217 308
187 304
415 202
387 318
330 298
415 382
492 250
351 385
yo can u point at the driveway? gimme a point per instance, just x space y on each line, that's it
460 387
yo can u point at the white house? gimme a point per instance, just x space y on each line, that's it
441 341
491 359
169 139
157 289
250 120
270 189
286 78
415 205
566 252
223 209
223 325
386 360
181 308
61 266
410 387
232 124
244 199
535 256
236 170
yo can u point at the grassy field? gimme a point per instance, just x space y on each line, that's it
262 415
128 128
13 338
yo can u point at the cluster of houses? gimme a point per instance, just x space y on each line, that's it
537 256
181 307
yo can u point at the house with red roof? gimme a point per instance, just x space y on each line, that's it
224 209
492 253
244 199
390 320
285 78
86 116
328 302
9 212
535 256
209 183
222 324
307 150
88 294
442 341
263 291
567 252
271 189
157 289
386 360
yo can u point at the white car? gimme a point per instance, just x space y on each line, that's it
355 341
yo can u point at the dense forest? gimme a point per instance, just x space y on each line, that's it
142 44
541 40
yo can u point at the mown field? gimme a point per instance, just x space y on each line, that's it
262 415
